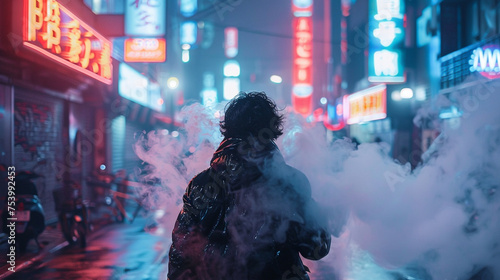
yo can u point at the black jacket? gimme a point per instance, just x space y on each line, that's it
248 216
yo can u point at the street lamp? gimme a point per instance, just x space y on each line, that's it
276 79
396 95
172 83
406 93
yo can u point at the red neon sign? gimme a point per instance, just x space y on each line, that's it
52 30
302 65
145 50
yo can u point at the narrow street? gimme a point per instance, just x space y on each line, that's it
117 251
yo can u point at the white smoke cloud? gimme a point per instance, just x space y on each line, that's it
439 221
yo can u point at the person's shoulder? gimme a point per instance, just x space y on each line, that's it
202 176
200 179
298 179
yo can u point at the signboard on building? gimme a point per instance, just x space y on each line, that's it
189 33
133 85
486 61
230 42
302 80
477 60
145 17
188 7
52 30
386 41
302 8
145 50
367 105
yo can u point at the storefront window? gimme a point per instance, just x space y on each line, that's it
488 18
470 23
476 20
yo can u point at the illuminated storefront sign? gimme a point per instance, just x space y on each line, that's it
145 17
189 31
188 7
132 85
302 8
386 35
230 42
367 105
209 97
52 30
136 87
486 61
145 50
231 87
302 59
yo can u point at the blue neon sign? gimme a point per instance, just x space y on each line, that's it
386 35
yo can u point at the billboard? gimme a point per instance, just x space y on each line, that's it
145 17
145 50
53 31
367 105
386 41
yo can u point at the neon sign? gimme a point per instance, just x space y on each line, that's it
145 50
335 114
188 7
133 85
230 42
52 30
302 58
145 17
302 8
367 105
386 34
486 61
189 31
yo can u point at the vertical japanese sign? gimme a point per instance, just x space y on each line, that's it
145 17
52 30
302 81
386 35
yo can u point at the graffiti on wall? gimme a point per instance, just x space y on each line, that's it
33 128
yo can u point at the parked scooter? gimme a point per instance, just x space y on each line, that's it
73 213
30 222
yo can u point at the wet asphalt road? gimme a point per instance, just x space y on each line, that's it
118 251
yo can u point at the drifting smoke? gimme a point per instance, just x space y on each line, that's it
439 221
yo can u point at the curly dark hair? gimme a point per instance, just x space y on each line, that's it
252 114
